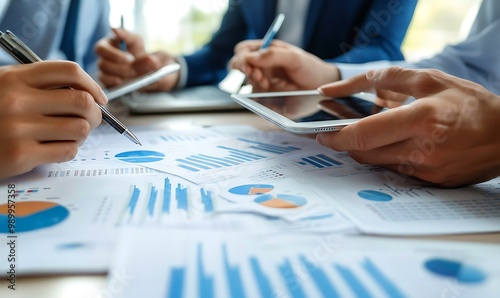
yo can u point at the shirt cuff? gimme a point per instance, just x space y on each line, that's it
183 72
348 70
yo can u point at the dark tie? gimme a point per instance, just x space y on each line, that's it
68 40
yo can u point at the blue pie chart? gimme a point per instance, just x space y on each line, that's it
33 215
251 189
455 269
140 156
374 195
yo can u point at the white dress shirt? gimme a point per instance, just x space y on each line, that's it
476 59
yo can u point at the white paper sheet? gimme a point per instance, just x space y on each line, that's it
193 264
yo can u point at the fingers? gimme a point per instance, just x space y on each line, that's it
364 83
249 45
416 83
108 49
252 45
347 87
61 74
23 156
122 70
48 129
135 43
59 102
375 131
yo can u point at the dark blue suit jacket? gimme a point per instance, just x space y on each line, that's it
350 31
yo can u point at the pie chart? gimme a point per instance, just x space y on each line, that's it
281 201
454 269
251 189
374 195
140 156
32 216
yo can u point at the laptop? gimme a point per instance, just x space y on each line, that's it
200 98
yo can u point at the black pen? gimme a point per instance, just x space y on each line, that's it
22 53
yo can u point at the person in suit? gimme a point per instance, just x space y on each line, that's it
57 29
344 31
445 134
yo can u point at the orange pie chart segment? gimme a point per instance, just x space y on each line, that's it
281 201
32 215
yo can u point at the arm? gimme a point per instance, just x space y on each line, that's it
209 64
448 136
381 33
40 122
100 29
476 59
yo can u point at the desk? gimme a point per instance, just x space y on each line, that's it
89 286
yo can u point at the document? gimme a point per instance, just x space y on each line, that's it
220 179
222 264
251 166
382 202
71 213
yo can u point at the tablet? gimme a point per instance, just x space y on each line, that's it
141 81
308 111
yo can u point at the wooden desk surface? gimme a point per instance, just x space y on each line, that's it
90 286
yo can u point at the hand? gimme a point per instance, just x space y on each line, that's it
281 67
117 67
40 122
448 136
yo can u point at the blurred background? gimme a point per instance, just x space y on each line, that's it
183 26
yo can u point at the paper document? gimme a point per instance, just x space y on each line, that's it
192 264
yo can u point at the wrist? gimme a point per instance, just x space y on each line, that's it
331 73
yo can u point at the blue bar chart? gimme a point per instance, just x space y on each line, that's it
229 156
290 276
166 199
195 263
318 161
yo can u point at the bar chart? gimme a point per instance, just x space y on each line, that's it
166 199
228 156
317 161
283 278
228 265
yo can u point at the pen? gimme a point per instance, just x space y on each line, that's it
235 79
273 29
123 44
25 55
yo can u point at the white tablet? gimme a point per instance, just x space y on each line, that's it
141 81
308 111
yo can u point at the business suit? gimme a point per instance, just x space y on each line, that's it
476 59
41 25
335 30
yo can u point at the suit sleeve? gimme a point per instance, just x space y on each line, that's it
381 33
101 30
209 64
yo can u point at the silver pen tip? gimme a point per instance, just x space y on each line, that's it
132 137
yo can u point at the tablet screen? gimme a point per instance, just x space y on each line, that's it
309 108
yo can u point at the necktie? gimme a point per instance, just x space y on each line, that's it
68 40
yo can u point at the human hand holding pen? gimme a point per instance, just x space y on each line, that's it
236 78
40 122
281 67
24 55
117 66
